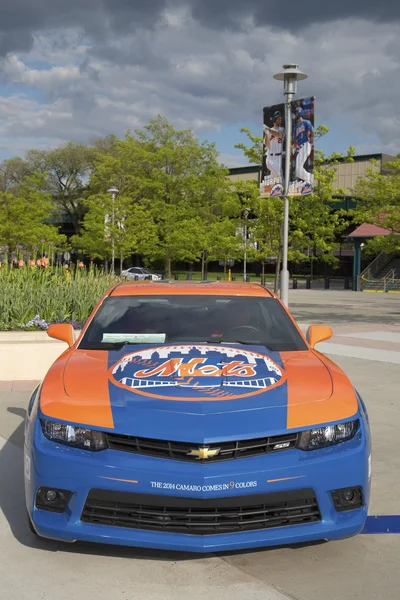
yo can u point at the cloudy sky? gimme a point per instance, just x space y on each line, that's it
84 69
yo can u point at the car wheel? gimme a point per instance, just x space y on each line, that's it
31 527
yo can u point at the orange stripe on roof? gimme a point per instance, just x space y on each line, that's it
148 288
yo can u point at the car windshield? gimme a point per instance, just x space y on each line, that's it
145 271
189 318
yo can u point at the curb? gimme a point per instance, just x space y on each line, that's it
18 386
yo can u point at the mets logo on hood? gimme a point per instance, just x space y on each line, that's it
196 372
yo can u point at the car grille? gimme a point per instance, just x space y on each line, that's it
201 516
182 450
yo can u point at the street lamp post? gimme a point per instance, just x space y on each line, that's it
245 214
113 191
290 75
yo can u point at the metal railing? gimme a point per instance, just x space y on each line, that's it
394 285
383 284
388 280
376 265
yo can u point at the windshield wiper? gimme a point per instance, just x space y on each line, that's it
245 343
242 342
106 345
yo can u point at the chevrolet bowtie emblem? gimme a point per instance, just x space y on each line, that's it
204 452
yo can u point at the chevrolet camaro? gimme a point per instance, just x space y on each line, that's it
196 417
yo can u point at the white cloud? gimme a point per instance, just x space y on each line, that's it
201 78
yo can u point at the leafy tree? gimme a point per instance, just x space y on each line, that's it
220 242
67 169
254 152
192 190
176 181
107 145
218 208
313 222
378 202
12 173
115 222
266 230
23 212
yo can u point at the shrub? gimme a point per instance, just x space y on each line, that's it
32 297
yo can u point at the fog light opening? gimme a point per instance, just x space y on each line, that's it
349 496
53 500
51 496
348 499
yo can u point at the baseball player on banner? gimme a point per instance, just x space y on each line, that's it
302 144
273 143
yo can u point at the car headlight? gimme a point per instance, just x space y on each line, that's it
321 437
79 437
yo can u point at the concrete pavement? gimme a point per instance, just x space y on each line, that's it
32 568
367 346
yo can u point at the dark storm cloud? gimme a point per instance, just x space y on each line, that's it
291 15
104 19
19 19
20 40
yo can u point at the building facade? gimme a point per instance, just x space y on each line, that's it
347 172
347 175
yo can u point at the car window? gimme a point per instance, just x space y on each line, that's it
135 270
190 318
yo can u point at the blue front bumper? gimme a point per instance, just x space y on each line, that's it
56 466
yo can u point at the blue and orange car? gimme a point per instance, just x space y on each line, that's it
195 417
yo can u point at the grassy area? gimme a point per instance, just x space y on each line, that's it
196 276
32 298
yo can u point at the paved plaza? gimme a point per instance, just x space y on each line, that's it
366 345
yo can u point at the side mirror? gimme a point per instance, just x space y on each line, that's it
62 332
318 333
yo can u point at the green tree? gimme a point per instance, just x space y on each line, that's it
218 207
67 169
12 173
254 151
266 230
220 242
115 223
314 224
23 215
175 180
191 189
378 202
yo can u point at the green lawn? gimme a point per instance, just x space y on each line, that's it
196 276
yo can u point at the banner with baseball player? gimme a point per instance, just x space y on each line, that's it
302 149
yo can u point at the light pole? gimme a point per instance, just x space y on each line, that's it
113 191
246 213
290 75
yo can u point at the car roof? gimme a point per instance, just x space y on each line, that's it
190 288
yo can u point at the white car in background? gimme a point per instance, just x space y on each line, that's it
140 274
